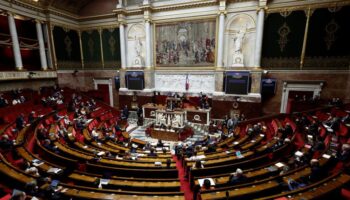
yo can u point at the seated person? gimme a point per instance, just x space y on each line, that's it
206 185
237 177
152 153
5 142
344 154
95 134
346 119
293 185
31 169
168 163
316 171
18 195
48 145
31 117
3 102
160 143
125 112
198 165
56 116
20 123
62 131
66 121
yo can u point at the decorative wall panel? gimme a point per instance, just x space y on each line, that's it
91 49
328 39
111 48
177 82
283 40
67 48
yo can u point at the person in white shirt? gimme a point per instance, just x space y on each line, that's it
95 134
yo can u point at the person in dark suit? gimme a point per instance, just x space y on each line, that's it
48 145
20 121
344 154
152 153
125 112
160 143
5 142
237 177
31 117
346 119
316 171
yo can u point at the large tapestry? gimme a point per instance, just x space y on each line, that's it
67 47
283 40
328 39
184 44
91 49
111 48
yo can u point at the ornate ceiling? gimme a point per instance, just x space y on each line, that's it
71 6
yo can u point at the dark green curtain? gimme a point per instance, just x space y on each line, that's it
111 48
91 49
328 39
283 40
67 48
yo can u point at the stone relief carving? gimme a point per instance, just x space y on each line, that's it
177 82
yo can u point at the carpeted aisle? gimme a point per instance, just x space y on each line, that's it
185 185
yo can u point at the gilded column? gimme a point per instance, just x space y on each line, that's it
15 43
52 40
101 45
81 50
39 32
308 14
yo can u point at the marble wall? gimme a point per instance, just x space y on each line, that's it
176 82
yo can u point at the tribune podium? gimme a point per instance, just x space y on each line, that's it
172 119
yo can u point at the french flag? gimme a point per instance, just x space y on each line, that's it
187 83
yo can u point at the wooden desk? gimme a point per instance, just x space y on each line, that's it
164 134
192 115
7 170
133 185
198 116
103 194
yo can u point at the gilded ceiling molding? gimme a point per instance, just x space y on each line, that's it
64 26
315 5
100 27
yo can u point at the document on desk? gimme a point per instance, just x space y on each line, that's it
37 162
54 170
104 181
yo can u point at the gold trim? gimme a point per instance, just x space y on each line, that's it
81 50
101 46
52 40
302 56
314 5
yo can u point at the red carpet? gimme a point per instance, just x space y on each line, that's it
185 185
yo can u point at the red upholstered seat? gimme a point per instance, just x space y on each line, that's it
6 197
345 193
